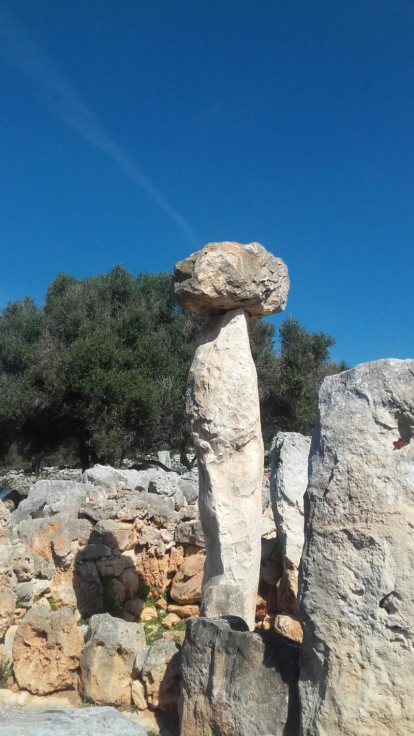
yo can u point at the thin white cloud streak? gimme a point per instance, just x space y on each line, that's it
66 103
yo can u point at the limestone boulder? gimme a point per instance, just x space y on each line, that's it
50 497
161 675
189 532
113 479
46 651
238 683
107 660
225 276
85 721
186 584
165 484
356 585
188 484
53 537
7 576
289 457
223 406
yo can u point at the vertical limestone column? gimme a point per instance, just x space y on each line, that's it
223 403
229 284
356 582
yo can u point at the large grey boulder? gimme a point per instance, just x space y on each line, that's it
50 497
84 722
114 479
228 275
188 484
289 457
356 587
238 683
223 406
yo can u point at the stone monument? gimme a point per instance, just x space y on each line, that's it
229 284
356 582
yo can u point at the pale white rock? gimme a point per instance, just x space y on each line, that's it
164 457
165 484
356 588
289 457
223 405
50 497
229 275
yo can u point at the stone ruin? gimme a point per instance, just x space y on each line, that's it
349 495
356 575
229 284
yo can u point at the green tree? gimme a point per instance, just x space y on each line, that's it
300 366
103 366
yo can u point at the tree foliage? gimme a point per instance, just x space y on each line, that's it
104 364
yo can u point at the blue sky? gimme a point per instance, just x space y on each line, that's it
135 132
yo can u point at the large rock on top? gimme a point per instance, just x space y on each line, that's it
223 405
228 275
356 589
238 683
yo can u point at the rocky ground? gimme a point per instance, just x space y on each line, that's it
101 573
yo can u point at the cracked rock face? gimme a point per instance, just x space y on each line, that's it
289 457
356 586
223 406
227 275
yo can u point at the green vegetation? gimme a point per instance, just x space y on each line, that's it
99 372
6 671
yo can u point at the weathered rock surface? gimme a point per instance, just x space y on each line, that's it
356 590
7 577
46 651
84 722
161 675
49 497
223 406
289 456
107 660
238 683
228 275
186 585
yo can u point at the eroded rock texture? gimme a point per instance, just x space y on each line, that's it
356 588
46 652
228 275
7 577
289 457
238 683
223 405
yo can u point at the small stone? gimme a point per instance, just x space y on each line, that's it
148 613
185 611
138 695
135 606
171 620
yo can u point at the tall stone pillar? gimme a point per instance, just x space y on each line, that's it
356 583
229 284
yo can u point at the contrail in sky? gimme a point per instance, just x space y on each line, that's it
66 103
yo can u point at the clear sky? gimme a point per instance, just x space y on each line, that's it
136 131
